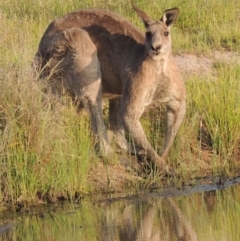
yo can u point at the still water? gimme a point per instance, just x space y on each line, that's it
204 213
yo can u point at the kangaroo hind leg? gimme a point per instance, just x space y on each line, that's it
116 128
174 117
83 78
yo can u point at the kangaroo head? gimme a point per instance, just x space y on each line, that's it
158 39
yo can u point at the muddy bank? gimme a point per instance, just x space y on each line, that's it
198 185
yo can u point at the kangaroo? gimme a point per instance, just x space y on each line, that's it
99 54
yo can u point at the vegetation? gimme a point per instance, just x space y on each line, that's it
46 148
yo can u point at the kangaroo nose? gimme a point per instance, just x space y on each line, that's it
156 48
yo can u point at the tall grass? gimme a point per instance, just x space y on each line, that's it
46 147
213 109
219 106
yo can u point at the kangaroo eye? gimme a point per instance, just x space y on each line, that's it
148 34
166 33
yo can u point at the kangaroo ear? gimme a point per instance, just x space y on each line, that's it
170 16
145 18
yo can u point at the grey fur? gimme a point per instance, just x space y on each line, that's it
97 53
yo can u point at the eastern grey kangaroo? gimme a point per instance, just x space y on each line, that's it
97 54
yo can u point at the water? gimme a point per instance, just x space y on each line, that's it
167 215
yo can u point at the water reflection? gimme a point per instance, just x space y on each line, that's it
213 215
154 219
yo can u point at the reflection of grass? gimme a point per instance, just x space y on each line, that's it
46 147
217 214
60 224
210 215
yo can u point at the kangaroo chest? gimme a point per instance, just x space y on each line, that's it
159 90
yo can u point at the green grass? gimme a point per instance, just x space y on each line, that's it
46 147
210 131
219 108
